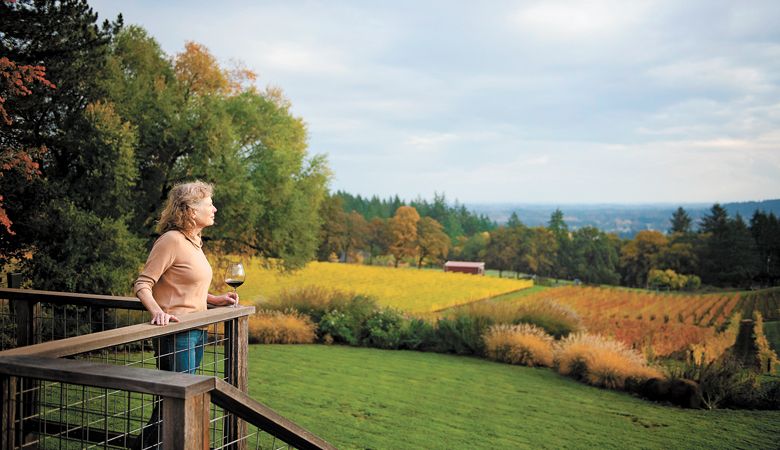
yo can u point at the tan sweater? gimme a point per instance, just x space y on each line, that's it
178 274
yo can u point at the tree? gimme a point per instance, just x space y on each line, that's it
501 250
727 255
357 234
680 221
539 251
765 229
640 255
17 81
67 225
379 237
595 256
474 247
432 241
563 265
403 228
334 228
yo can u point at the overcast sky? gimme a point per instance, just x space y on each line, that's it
527 101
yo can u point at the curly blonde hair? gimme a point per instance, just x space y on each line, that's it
177 213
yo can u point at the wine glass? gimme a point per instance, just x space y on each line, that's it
235 276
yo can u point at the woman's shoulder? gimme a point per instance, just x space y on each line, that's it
172 237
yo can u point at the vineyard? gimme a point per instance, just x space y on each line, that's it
660 325
409 290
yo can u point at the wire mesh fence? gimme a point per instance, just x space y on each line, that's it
58 415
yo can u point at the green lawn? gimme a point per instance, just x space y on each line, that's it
368 398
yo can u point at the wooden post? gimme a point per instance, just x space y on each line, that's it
185 424
26 332
8 431
236 350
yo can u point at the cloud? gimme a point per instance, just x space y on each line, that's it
576 19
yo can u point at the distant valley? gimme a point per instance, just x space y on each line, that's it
623 219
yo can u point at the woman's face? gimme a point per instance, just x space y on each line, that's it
203 213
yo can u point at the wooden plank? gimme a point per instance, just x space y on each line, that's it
86 373
254 412
8 411
185 424
71 298
124 335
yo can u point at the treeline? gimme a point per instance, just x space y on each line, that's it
98 123
455 219
723 251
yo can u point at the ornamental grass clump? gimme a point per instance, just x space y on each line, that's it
522 344
601 362
281 327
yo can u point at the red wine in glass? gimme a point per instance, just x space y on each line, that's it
235 276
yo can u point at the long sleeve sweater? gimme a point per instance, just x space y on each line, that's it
178 274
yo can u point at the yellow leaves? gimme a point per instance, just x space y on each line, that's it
415 291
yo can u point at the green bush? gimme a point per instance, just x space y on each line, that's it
418 334
723 382
461 335
384 329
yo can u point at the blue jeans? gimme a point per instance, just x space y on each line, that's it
181 352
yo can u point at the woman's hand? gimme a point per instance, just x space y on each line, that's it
229 299
162 318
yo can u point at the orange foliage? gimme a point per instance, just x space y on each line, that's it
276 327
601 361
16 81
660 325
198 70
522 344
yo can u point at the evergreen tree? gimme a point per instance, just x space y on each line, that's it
727 254
680 221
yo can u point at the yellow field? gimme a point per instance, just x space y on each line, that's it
406 289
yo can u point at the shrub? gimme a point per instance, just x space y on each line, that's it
341 316
523 344
384 329
601 362
418 334
556 319
723 382
461 334
277 327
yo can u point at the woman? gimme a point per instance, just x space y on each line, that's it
176 279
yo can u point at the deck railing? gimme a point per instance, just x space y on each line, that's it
67 385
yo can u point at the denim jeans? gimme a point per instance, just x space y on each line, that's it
181 352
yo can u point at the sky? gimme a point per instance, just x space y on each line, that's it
512 101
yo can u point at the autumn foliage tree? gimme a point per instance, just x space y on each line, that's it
432 241
403 230
17 81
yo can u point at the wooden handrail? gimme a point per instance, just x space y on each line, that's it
86 373
70 298
231 399
125 335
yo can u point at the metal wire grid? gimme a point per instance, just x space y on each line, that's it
55 322
67 416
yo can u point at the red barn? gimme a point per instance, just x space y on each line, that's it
477 268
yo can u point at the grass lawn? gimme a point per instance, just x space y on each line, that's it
379 399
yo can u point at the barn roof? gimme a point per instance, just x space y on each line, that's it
464 264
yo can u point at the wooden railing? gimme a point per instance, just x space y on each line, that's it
187 398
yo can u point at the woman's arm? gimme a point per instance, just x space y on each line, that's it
159 317
229 299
